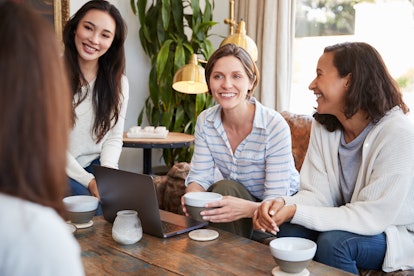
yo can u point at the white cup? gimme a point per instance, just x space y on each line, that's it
195 201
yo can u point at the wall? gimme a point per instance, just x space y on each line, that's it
137 70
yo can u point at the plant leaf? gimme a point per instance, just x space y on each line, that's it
165 13
162 57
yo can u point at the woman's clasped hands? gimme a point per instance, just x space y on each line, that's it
271 214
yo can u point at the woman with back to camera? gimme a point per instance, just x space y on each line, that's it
35 112
356 198
94 52
248 143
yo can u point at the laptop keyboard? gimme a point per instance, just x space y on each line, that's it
168 227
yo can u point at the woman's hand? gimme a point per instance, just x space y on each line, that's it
229 209
271 214
93 189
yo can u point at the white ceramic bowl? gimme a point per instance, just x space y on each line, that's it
81 208
292 254
81 203
200 199
195 202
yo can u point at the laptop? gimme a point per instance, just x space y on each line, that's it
122 190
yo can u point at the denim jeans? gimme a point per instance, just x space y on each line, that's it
344 250
78 189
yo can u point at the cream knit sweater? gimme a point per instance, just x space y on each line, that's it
83 148
383 200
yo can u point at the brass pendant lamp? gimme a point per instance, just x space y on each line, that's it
190 78
240 38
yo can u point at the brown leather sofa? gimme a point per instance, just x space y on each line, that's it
171 187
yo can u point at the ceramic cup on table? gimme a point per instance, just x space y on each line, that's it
292 254
195 202
81 209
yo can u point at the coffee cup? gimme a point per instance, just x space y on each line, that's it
292 254
195 202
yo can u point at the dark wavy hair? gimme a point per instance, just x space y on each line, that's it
108 89
239 53
35 108
372 88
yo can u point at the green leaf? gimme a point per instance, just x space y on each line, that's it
179 56
142 5
162 57
179 118
208 15
140 117
165 13
195 5
177 13
133 6
200 103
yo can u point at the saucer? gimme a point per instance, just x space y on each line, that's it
276 271
203 235
83 225
71 227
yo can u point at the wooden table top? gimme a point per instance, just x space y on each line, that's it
172 138
228 255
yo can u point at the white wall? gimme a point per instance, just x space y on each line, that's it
137 71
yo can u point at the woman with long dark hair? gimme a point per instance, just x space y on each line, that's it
95 56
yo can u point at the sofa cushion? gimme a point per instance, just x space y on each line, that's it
300 128
175 188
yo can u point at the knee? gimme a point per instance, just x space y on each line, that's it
225 187
330 244
77 188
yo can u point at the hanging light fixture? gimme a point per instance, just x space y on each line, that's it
240 38
190 78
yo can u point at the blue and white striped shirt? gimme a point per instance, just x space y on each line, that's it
263 162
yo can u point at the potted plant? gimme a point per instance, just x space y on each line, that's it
170 31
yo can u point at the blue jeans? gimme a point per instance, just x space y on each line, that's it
78 189
341 249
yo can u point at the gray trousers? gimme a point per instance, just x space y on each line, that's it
242 227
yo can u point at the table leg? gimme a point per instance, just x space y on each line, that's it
147 161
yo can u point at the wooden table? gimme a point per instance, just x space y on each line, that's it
228 255
173 140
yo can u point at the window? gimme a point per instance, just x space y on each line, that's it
386 25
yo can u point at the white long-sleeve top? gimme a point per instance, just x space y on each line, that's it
83 148
34 240
383 199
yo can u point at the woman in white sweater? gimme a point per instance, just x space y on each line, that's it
356 198
94 52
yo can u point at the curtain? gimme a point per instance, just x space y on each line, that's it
271 24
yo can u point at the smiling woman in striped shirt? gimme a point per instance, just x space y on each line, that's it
242 148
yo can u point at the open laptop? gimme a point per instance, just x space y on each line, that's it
122 190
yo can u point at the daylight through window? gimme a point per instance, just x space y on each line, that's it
386 25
